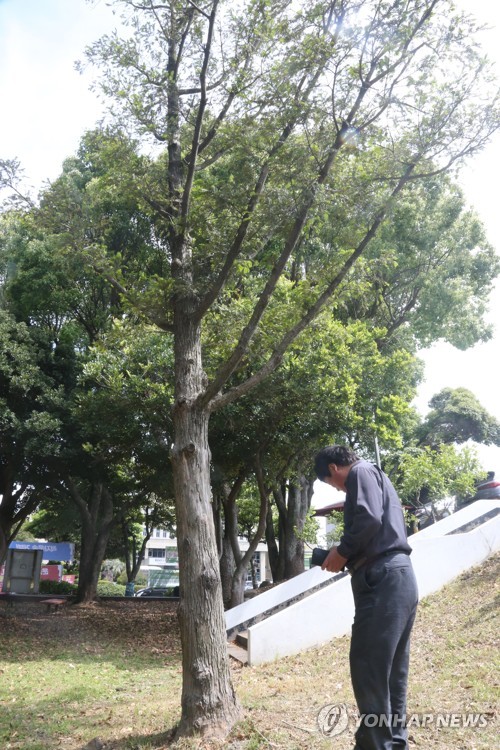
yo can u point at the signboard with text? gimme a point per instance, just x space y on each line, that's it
60 551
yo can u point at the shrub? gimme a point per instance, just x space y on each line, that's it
141 580
108 588
57 587
111 569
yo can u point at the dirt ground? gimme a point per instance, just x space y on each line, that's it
102 623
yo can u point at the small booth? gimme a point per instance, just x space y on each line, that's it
24 563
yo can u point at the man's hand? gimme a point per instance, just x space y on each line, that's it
334 562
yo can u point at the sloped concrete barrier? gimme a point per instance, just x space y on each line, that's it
439 555
276 596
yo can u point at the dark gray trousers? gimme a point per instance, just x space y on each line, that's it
385 599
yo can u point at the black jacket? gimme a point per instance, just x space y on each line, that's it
373 515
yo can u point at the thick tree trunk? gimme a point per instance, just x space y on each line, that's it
97 523
209 704
93 550
238 586
293 501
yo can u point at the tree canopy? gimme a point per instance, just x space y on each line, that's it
457 416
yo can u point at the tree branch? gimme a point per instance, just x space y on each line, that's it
219 400
242 230
227 369
157 320
186 195
196 7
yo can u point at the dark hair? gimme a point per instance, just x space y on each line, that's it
333 454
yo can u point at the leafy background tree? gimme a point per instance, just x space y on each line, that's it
457 416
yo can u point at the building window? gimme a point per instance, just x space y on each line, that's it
156 552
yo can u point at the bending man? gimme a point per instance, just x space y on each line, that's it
374 549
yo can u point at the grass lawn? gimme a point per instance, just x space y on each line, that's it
108 676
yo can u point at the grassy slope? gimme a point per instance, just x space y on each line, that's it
114 673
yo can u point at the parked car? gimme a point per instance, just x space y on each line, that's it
159 591
486 489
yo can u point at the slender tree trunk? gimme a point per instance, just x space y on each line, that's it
3 545
297 507
237 583
244 561
227 568
253 573
209 704
224 547
16 506
272 546
134 558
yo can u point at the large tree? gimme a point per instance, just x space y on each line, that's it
99 441
269 112
31 409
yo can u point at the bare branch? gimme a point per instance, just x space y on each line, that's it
186 195
149 7
197 90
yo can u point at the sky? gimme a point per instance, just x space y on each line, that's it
47 105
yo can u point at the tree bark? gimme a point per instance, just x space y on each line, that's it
227 568
293 501
299 501
209 704
97 515
134 558
272 546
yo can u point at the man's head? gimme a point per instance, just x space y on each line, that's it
332 465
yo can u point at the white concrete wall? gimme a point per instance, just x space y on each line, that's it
450 523
318 618
328 613
437 560
275 596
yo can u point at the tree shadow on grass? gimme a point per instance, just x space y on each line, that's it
158 741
